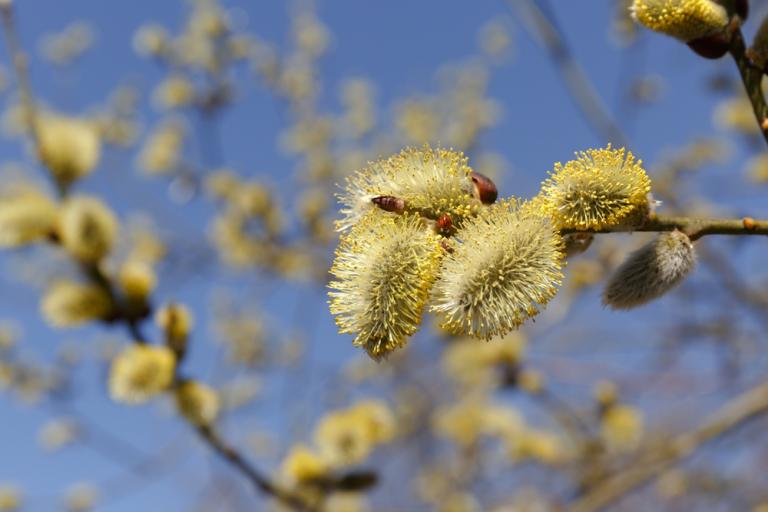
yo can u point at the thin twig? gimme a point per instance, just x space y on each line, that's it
540 20
695 228
261 482
752 78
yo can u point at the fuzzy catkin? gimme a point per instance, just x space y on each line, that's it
505 268
685 20
651 271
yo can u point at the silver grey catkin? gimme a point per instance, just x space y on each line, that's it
651 271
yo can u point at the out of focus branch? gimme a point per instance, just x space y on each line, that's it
747 406
752 78
695 228
542 24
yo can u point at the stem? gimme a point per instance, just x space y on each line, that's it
261 482
752 78
695 228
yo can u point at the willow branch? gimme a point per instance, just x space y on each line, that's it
752 78
695 228
261 482
747 406
542 24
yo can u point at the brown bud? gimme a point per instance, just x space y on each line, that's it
749 223
389 203
485 188
711 47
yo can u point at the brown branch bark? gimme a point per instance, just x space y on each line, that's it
695 228
752 78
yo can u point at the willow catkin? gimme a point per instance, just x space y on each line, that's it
685 20
383 270
506 266
651 271
429 182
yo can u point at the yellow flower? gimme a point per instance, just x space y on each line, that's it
431 182
174 92
198 403
384 269
465 422
137 279
471 363
343 439
302 464
600 188
505 267
161 152
25 217
68 304
176 321
150 39
542 446
87 228
81 497
621 427
378 419
69 147
685 20
11 498
651 271
140 372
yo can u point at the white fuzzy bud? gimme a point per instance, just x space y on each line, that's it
651 271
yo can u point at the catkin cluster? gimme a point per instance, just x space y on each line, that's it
422 232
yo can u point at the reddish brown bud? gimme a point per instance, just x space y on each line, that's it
711 47
389 203
485 188
749 223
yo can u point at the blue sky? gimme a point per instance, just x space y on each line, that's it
399 45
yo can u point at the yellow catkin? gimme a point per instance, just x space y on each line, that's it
140 372
69 304
383 270
197 402
506 266
69 147
87 228
685 20
600 188
431 182
26 217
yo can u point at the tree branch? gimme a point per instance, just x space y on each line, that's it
695 228
752 78
747 406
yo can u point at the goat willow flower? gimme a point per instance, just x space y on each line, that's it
69 147
140 372
87 228
197 402
68 304
602 187
506 265
25 217
685 20
384 269
430 182
651 271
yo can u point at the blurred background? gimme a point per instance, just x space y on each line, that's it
226 128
